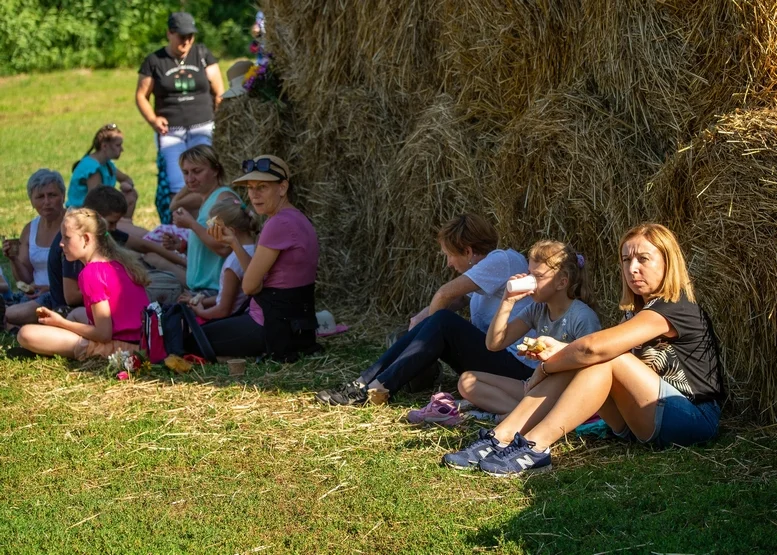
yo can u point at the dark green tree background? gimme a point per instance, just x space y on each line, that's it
44 35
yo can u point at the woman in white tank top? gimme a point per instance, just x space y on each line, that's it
29 263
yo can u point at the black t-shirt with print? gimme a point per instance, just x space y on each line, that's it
691 361
181 90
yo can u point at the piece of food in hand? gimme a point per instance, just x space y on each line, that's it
197 299
213 222
25 287
40 311
531 345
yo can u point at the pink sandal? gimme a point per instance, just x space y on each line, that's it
440 410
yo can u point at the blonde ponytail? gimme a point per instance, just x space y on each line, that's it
89 221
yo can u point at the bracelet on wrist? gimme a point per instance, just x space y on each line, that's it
542 368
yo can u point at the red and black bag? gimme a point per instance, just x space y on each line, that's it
152 343
165 328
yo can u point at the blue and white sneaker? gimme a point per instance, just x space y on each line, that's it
468 458
516 458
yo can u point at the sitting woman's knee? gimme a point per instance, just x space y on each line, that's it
467 382
24 335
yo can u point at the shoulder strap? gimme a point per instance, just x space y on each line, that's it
199 336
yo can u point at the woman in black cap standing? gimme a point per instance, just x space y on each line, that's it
185 80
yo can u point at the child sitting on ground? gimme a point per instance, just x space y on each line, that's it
112 284
235 219
561 309
63 274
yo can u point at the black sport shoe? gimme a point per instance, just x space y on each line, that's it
350 393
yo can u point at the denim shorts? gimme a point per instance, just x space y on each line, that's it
678 421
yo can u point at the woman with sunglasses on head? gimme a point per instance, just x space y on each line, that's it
204 176
96 169
280 276
656 377
186 82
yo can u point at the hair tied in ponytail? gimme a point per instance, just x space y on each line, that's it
580 260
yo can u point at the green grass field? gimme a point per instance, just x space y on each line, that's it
205 463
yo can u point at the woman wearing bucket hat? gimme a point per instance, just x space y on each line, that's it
185 80
280 276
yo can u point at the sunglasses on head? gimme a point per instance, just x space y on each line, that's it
264 165
110 126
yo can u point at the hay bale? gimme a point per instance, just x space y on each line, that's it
248 127
354 139
549 116
719 194
670 66
434 176
323 46
568 169
498 57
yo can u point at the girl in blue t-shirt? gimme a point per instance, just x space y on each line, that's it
561 309
96 168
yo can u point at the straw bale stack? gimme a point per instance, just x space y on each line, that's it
498 56
568 169
549 117
672 65
719 194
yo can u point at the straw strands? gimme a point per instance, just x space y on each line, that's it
549 117
568 168
719 194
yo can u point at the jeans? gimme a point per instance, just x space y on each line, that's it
175 142
237 336
678 421
446 336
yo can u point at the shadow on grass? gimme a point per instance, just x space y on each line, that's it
609 496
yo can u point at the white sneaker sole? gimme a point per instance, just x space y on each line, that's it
539 470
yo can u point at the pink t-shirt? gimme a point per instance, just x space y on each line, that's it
291 233
100 281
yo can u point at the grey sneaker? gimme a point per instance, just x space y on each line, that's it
350 393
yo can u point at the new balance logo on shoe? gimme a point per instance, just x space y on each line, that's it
525 462
484 452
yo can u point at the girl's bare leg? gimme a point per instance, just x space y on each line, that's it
489 392
48 340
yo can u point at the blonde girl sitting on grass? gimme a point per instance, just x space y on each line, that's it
113 287
236 220
561 309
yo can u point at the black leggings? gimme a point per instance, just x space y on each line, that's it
446 336
237 336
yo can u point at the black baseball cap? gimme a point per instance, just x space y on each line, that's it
181 23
